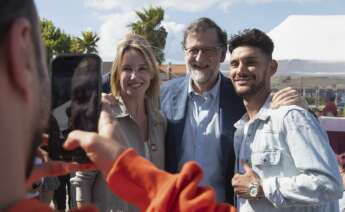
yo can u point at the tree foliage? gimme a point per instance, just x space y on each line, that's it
86 44
57 41
149 26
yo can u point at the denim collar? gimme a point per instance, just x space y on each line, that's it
263 114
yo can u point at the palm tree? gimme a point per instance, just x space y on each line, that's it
86 44
149 26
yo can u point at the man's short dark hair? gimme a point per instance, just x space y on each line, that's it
10 10
203 24
252 37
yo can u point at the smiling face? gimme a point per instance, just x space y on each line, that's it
84 96
251 70
203 56
135 76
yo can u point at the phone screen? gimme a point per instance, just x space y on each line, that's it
76 94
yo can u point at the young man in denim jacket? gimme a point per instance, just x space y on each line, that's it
284 160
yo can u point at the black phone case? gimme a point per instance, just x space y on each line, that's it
85 106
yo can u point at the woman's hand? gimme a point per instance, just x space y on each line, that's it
108 126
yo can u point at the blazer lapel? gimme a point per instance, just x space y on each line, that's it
180 101
231 110
176 124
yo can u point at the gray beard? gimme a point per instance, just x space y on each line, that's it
199 77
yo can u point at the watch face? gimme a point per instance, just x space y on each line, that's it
253 190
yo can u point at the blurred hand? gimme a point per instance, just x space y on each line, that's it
108 126
288 96
102 148
53 168
56 168
42 151
101 151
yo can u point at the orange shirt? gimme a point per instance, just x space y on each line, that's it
139 182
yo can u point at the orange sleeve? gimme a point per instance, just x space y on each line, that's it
139 182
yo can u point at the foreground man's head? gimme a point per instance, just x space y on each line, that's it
25 93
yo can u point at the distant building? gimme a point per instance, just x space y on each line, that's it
106 67
170 71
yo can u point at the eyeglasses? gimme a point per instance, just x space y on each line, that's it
208 51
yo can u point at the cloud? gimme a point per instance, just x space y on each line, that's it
190 5
105 4
114 27
180 5
115 15
270 1
108 5
173 50
112 30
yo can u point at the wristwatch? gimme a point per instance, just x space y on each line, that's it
254 189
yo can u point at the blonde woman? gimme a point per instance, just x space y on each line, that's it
134 106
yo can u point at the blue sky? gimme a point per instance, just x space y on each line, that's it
109 18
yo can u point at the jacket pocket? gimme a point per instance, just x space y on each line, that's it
266 158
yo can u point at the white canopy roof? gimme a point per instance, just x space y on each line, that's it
307 37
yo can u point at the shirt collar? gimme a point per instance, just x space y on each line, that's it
263 114
213 92
119 110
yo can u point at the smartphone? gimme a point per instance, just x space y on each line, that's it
76 101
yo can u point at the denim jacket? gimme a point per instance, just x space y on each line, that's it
291 154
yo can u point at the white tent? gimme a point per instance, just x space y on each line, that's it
310 45
307 45
306 37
